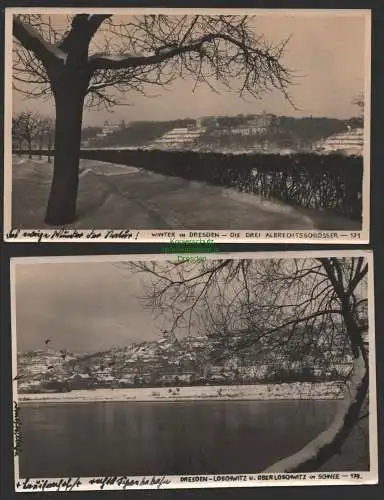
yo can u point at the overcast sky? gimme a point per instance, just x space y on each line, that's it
93 306
82 307
326 50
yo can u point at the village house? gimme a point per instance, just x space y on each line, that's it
108 128
128 379
186 377
253 371
168 378
217 370
107 379
30 386
81 381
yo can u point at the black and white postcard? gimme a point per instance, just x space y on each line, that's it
152 125
176 372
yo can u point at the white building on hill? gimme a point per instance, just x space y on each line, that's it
178 138
349 143
108 129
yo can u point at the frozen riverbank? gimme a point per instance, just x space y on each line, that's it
236 392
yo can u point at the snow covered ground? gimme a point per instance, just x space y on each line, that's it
236 392
106 169
123 197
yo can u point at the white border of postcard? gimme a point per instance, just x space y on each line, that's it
154 235
209 480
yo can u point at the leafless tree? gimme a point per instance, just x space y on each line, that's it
17 135
359 102
25 128
311 307
95 59
45 135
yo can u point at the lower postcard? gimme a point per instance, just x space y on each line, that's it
220 370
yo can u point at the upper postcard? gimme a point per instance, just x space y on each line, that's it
187 126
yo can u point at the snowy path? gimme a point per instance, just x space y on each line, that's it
120 197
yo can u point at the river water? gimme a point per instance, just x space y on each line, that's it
194 437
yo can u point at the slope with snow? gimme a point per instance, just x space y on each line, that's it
350 143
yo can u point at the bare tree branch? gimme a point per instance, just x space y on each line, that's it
302 310
129 61
93 61
32 40
152 50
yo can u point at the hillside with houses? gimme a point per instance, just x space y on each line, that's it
264 132
171 362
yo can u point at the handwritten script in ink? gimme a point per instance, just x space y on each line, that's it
40 236
17 429
109 482
65 484
125 482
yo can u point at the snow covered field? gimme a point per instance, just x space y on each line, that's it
240 392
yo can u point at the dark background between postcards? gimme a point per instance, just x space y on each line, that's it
57 249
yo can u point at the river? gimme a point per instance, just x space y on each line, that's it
190 437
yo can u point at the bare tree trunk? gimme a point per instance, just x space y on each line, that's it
30 148
61 207
329 442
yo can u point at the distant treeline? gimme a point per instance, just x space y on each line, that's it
138 133
303 180
286 131
293 132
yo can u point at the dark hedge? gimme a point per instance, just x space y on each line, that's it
324 182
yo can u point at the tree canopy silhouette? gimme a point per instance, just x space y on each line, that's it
314 308
94 59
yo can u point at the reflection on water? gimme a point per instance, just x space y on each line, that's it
194 437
